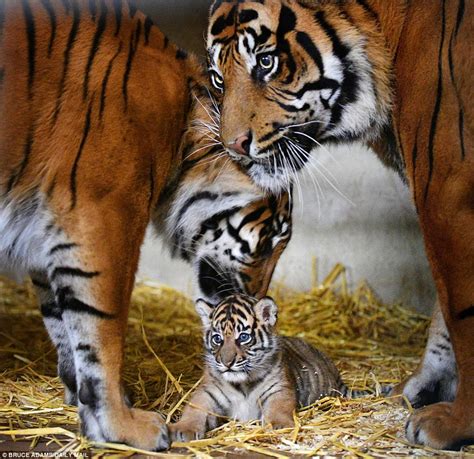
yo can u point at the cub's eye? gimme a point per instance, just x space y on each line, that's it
217 81
244 338
266 61
217 339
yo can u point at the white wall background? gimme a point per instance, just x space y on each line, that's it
376 236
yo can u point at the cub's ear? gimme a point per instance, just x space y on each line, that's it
267 311
204 309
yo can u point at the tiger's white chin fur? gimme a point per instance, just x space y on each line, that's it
271 181
235 376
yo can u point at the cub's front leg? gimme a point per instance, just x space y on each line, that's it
278 405
200 415
91 269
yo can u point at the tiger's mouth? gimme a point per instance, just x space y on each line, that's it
275 168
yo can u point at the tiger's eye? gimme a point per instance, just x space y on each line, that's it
266 61
217 339
244 338
217 81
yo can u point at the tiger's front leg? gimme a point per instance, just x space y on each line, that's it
447 220
92 270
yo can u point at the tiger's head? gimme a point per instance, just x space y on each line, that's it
218 220
238 337
291 75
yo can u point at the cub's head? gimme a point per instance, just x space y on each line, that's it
292 74
238 337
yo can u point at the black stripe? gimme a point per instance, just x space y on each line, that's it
51 187
138 32
467 313
181 54
78 306
74 272
461 132
247 16
201 196
69 303
128 68
349 88
459 99
132 8
148 26
31 37
2 17
53 23
118 15
94 47
67 55
214 399
51 311
39 284
267 390
308 45
437 108
61 247
16 177
106 80
92 9
222 22
286 24
223 394
73 178
2 75
369 10
460 15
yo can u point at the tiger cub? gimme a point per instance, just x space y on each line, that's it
253 373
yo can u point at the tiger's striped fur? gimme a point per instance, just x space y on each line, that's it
97 106
292 75
253 373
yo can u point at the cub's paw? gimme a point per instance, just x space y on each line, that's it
138 428
184 431
280 422
439 427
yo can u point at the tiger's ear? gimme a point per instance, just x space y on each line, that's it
267 311
204 309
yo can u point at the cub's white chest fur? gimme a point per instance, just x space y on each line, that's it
244 407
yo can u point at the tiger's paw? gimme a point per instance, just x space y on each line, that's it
134 427
439 426
184 431
421 389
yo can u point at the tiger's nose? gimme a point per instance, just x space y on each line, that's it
241 144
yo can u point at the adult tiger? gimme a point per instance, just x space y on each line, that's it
97 113
396 73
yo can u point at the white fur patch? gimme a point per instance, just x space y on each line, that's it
23 236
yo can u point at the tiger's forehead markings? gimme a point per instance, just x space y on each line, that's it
234 313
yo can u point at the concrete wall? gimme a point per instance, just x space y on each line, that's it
373 230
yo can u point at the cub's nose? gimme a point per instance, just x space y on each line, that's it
241 144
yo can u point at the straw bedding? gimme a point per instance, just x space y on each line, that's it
373 344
